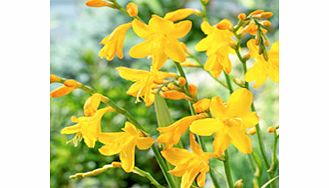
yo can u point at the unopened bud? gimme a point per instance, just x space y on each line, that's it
61 91
267 42
98 3
132 9
205 1
251 131
164 88
175 95
172 86
238 81
256 12
71 83
271 129
238 184
266 15
246 56
54 78
192 89
181 81
202 105
116 164
266 23
242 16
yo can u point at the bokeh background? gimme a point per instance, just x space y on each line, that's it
76 31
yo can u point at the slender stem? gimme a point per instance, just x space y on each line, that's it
228 170
199 139
148 176
228 81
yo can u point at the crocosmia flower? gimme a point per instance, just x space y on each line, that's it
217 47
145 82
160 40
229 122
189 165
124 143
263 69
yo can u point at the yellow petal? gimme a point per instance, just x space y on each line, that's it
110 149
181 29
180 14
201 180
107 138
206 27
127 157
253 49
92 103
240 140
196 148
239 102
160 25
257 73
71 129
221 142
174 50
203 44
250 119
217 107
144 143
131 129
140 28
141 50
189 177
176 156
206 127
132 74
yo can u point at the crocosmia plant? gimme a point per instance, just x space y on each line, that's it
216 137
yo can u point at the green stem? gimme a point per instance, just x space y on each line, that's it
148 176
199 139
229 84
228 170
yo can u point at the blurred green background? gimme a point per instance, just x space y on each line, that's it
76 31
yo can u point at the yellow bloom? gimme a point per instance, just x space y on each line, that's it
124 143
145 82
180 14
113 43
68 87
217 47
229 122
171 135
132 9
161 40
262 68
88 128
189 165
92 103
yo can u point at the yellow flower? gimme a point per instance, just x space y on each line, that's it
189 165
132 9
145 82
229 122
92 103
171 135
263 69
124 143
180 14
113 43
161 40
88 128
68 87
217 47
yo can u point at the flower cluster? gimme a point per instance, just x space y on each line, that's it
228 122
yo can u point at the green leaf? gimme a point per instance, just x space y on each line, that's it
162 112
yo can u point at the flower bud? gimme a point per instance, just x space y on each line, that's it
61 91
172 86
175 95
242 16
205 1
181 81
256 12
266 15
71 83
192 89
266 23
116 164
267 43
246 56
233 45
251 131
164 88
54 78
132 9
238 81
271 129
98 3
